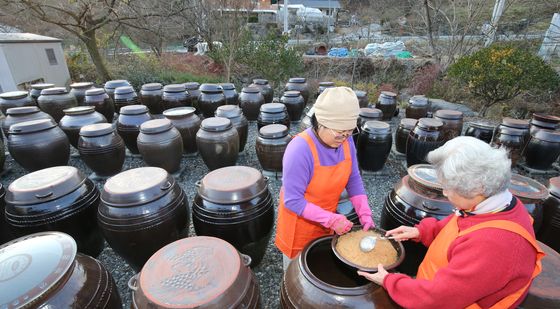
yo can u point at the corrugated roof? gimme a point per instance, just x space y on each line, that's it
26 38
319 4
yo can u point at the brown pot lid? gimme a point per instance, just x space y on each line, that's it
525 187
423 197
54 91
326 84
228 86
211 88
425 175
273 131
97 129
418 100
124 90
544 124
554 186
232 184
33 266
360 93
113 84
228 111
156 126
32 126
22 110
81 85
95 91
548 136
192 85
193 272
388 94
546 118
511 131
42 86
376 127
44 185
515 123
216 124
179 112
136 186
369 112
152 86
260 81
14 95
291 94
273 108
430 124
297 80
79 110
483 124
175 88
408 123
250 89
135 109
449 114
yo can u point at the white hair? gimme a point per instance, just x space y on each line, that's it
469 167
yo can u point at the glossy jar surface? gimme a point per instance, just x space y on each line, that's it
543 121
112 85
294 102
54 101
38 144
129 122
323 86
233 203
59 198
160 144
425 137
265 89
125 96
232 97
250 101
217 142
543 149
550 228
452 123
238 120
22 114
401 135
211 96
532 194
151 95
387 103
512 140
101 149
175 95
374 145
14 99
45 271
271 145
36 89
78 90
368 114
138 205
193 88
187 122
5 234
102 101
77 117
482 130
417 107
517 124
273 113
362 98
298 84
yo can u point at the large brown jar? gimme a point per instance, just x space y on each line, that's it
425 137
161 144
2 154
187 122
54 101
299 84
14 99
101 149
112 85
483 130
518 124
38 144
272 113
306 121
294 102
512 140
36 89
452 123
323 86
142 210
543 121
5 234
367 114
551 216
374 145
232 97
217 142
250 101
401 135
362 98
125 96
238 120
21 114
44 270
417 107
211 96
128 124
78 90
265 89
532 194
193 88
196 272
543 149
270 147
233 203
175 95
316 278
387 103
102 102
76 118
151 95
59 198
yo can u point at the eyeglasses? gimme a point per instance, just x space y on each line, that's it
342 134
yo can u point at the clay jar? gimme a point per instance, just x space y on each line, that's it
59 198
2 154
112 85
323 86
151 95
45 271
232 97
298 84
142 210
103 104
5 234
543 121
417 107
193 88
551 216
211 96
238 120
387 103
76 118
54 101
78 90
512 140
101 149
250 101
36 89
38 144
425 137
543 149
532 194
176 276
21 114
128 124
374 145
187 123
233 203
405 126
161 144
306 121
271 113
175 95
271 145
518 124
124 96
452 123
217 142
482 130
265 89
362 98
294 102
14 99
368 114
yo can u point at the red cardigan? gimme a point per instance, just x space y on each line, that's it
484 265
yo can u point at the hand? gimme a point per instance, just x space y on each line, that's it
361 205
339 224
377 277
404 233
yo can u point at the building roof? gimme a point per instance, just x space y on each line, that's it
319 4
26 38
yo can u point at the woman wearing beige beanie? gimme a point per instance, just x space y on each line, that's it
318 164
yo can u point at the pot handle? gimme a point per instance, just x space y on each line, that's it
266 178
133 283
246 259
44 195
198 183
166 186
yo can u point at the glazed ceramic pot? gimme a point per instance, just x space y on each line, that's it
513 140
14 99
128 124
36 89
323 86
401 135
273 113
265 89
483 130
5 233
232 97
102 102
217 142
112 85
374 145
306 121
362 98
367 114
125 96
271 145
54 101
543 121
211 96
387 103
532 194
78 90
238 120
250 101
193 88
151 95
551 216
518 124
160 144
21 114
294 102
452 123
77 117
187 122
425 137
543 149
298 84
101 149
417 108
175 95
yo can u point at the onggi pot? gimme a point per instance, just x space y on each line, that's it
217 142
160 144
36 89
124 96
112 85
128 124
151 95
79 91
232 97
294 102
21 114
101 148
76 118
298 84
187 122
102 102
250 101
211 96
265 88
54 101
238 120
14 99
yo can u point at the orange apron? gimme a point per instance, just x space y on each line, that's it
436 257
327 183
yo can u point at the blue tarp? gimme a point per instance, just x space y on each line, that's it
338 52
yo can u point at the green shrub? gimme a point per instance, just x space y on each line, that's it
80 68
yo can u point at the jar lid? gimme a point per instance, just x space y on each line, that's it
179 111
525 187
192 85
14 95
483 124
418 100
44 185
192 272
360 93
216 124
95 91
430 123
273 108
546 118
22 110
228 111
511 131
388 94
32 266
211 88
544 124
515 123
228 86
175 88
449 114
136 186
113 84
548 136
326 84
79 110
369 112
554 186
273 131
41 86
425 174
156 126
232 184
97 129
81 85
135 109
124 90
376 127
292 94
152 86
250 89
408 123
32 126
260 81
298 80
54 91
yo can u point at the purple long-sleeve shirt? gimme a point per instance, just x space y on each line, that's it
297 169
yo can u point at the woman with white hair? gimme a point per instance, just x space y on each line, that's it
485 254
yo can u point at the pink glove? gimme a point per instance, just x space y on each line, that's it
360 203
333 221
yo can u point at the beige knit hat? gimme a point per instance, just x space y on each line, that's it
337 108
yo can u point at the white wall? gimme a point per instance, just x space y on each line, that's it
6 79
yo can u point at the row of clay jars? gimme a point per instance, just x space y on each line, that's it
217 142
77 117
238 120
160 144
101 149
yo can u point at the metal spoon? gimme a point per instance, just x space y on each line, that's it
368 242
